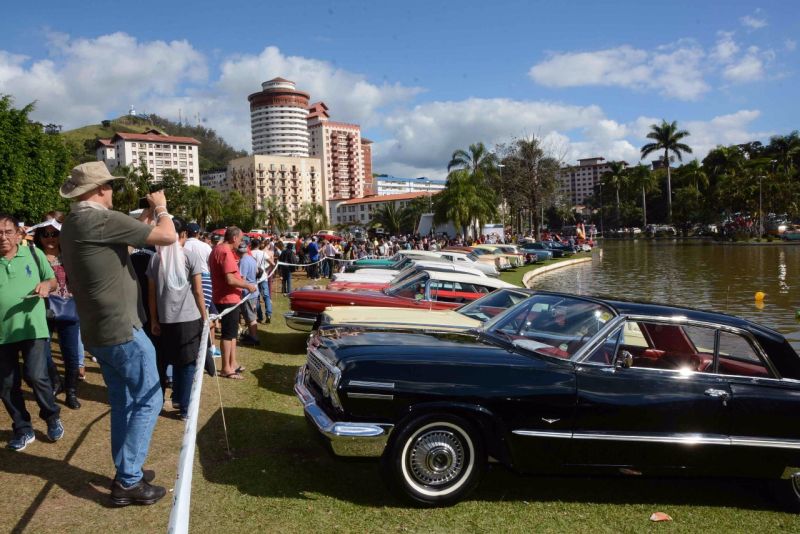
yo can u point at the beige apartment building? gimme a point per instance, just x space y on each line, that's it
293 181
577 182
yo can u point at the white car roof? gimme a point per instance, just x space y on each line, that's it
449 267
468 279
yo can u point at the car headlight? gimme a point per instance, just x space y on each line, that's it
332 386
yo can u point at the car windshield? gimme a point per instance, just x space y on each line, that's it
550 324
402 275
473 256
495 302
411 288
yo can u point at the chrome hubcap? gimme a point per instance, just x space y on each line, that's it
796 484
436 458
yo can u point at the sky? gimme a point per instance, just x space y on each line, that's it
422 78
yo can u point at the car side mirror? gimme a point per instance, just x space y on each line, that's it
623 360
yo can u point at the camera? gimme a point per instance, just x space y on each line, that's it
143 203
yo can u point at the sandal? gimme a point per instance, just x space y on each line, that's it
232 376
240 369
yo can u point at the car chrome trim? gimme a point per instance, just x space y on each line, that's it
376 396
679 439
296 322
542 434
368 384
765 442
345 438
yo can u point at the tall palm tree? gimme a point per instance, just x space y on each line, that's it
129 190
277 214
388 217
312 218
641 177
477 159
694 174
454 203
203 203
667 137
615 176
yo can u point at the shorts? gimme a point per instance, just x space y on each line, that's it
230 322
180 342
249 311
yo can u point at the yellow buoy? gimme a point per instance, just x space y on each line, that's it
760 296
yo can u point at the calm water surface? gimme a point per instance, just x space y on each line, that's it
702 275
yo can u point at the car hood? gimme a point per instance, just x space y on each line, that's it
350 345
398 318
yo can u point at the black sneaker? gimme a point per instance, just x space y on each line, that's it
148 475
21 440
140 493
55 430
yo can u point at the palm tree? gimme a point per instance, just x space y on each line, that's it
785 148
388 217
694 174
129 190
311 218
277 215
454 203
667 137
615 177
203 203
641 177
477 159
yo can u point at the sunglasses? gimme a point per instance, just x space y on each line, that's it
50 234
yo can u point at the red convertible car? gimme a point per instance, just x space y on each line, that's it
427 290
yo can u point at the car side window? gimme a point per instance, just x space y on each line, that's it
605 352
738 357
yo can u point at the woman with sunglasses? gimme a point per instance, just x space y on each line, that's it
46 237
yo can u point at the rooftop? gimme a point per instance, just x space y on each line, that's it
382 198
155 138
421 180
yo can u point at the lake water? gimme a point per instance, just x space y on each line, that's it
699 274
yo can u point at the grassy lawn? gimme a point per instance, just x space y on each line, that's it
514 276
280 479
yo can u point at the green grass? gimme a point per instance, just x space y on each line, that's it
280 479
514 276
93 131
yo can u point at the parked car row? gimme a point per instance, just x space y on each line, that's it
543 382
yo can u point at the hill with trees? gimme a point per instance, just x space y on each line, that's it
214 151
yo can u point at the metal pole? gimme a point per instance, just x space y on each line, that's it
760 211
601 209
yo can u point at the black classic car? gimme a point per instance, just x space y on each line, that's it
561 384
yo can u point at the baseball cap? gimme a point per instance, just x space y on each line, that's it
193 228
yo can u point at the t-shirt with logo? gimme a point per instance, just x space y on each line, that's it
22 318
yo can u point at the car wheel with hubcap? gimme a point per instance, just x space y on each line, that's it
434 460
787 491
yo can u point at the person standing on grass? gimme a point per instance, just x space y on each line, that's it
248 271
226 286
25 280
95 243
177 317
287 258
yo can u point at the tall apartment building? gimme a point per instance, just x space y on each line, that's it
293 181
578 182
156 150
366 154
278 116
338 145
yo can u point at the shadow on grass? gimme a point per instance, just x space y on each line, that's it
283 342
277 455
276 378
74 480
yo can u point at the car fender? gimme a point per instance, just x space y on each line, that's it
491 427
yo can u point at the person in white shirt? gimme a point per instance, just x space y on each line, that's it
203 251
264 264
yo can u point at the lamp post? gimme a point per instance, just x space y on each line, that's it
502 199
760 211
601 209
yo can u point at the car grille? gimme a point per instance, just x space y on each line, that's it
317 370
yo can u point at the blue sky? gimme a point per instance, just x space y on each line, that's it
422 78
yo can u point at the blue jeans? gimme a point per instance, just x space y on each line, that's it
263 289
286 283
69 339
34 368
134 393
182 378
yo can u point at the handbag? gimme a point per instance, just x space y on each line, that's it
57 308
63 309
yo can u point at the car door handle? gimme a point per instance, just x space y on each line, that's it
718 393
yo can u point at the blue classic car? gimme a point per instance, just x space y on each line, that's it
561 384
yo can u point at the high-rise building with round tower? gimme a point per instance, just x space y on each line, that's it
278 115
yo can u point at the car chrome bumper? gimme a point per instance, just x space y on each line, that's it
346 439
297 322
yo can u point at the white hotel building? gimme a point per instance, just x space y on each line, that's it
155 150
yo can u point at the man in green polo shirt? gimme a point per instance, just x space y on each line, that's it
24 282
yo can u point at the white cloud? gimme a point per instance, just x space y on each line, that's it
84 79
790 45
673 70
748 68
421 140
756 21
725 49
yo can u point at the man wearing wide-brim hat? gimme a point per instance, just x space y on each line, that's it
94 245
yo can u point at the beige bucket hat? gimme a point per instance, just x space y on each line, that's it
85 177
